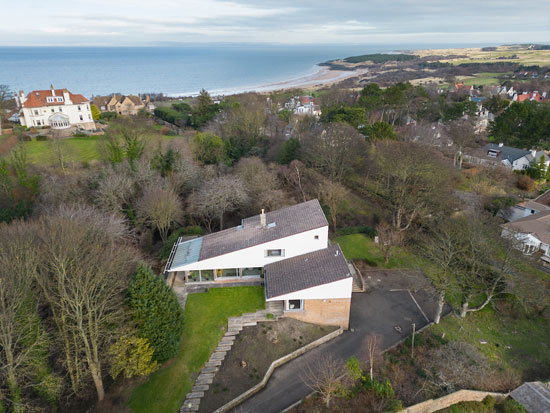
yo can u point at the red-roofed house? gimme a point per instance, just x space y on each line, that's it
534 97
57 108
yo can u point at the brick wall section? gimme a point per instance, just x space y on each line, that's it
333 312
432 405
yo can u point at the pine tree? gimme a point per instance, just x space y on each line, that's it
157 312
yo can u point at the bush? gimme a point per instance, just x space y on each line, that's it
109 115
25 138
80 135
131 356
41 138
172 133
489 401
157 312
509 405
525 183
366 229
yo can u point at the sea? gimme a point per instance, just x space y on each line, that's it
181 70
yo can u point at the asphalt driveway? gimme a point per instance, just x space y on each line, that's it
384 310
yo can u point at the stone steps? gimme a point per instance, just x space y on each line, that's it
211 367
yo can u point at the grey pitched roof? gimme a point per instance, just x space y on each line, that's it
534 396
280 224
506 152
305 271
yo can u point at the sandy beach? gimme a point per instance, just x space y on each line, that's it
324 77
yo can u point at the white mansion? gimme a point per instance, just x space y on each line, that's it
57 108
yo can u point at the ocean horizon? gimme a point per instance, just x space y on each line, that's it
172 70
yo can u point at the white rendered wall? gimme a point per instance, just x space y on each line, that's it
337 289
29 117
254 257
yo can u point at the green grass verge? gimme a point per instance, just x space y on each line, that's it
206 317
484 79
518 342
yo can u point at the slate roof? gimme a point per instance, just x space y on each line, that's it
544 198
305 271
505 152
537 225
534 396
280 224
287 221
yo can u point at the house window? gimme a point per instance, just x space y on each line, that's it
316 237
53 110
81 118
275 253
294 305
78 107
60 109
36 112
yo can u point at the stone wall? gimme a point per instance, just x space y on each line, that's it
434 405
334 312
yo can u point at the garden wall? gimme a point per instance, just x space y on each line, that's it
434 405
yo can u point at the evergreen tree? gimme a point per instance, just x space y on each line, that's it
157 313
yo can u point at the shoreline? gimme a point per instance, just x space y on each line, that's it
324 76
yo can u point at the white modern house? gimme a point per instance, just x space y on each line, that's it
532 233
512 158
56 108
288 249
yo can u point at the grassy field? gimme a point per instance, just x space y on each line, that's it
206 317
484 79
516 341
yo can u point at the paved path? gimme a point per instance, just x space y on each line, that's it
378 311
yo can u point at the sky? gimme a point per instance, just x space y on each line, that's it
153 22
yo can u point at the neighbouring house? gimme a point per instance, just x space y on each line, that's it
498 154
527 208
312 281
532 234
304 105
532 97
533 396
123 105
56 108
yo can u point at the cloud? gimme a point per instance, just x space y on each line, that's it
275 21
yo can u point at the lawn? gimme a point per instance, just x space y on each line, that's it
206 317
77 149
361 247
511 339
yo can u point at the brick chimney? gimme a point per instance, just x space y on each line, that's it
263 219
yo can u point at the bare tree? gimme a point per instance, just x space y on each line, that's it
262 185
22 338
217 197
83 268
160 208
324 377
336 149
371 348
4 98
294 176
388 239
413 180
334 195
462 133
115 189
442 245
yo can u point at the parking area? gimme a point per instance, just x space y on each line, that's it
387 309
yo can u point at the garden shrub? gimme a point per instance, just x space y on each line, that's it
41 138
157 312
80 135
